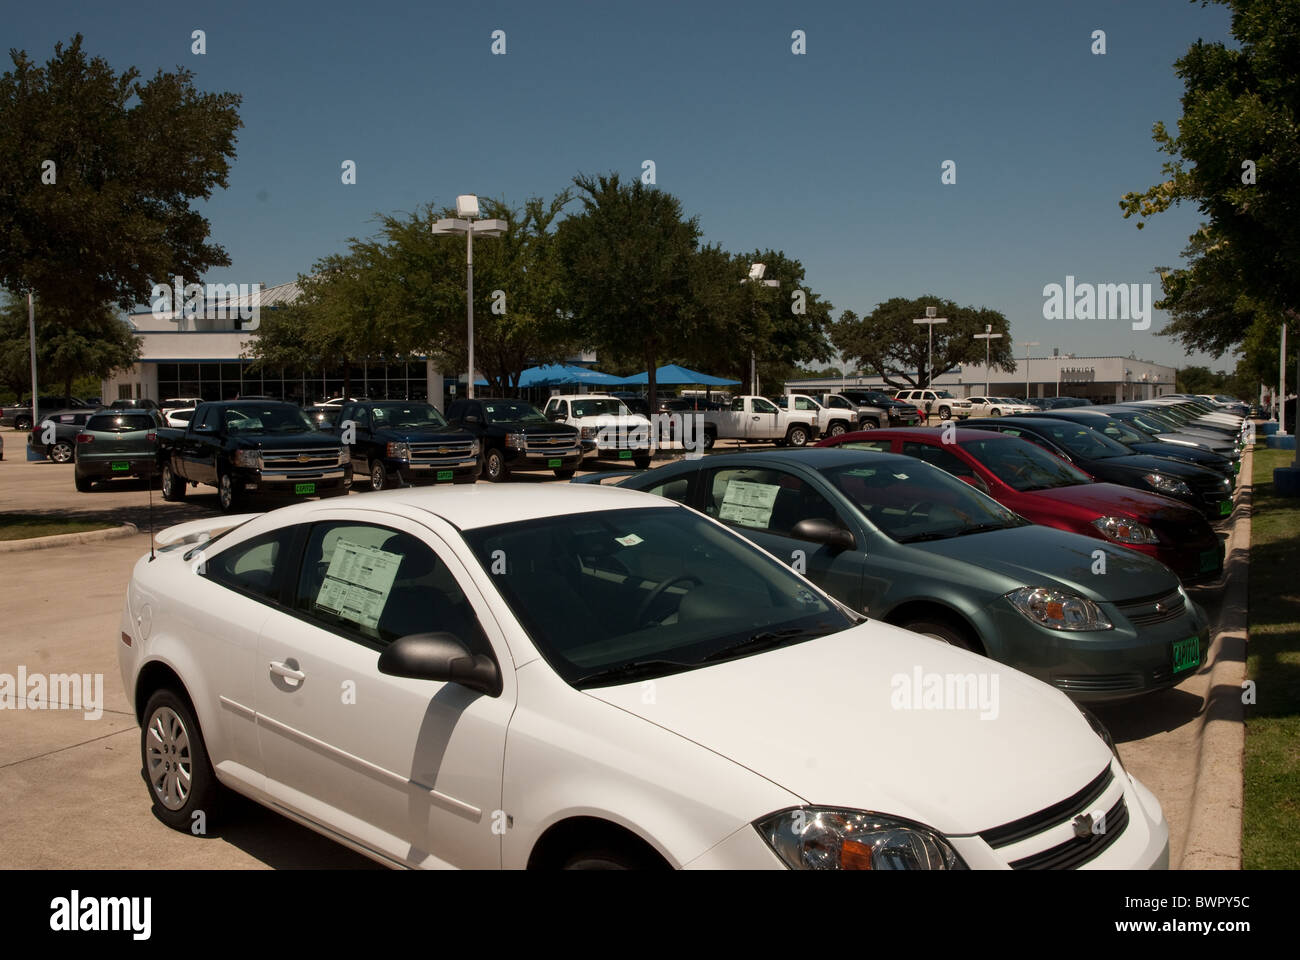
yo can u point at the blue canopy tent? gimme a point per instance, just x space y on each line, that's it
561 374
674 375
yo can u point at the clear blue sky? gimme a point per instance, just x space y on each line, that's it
833 157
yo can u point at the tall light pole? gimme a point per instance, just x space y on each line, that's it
1027 344
756 271
1281 386
467 222
930 320
988 336
31 328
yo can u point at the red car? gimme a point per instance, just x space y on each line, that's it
1024 477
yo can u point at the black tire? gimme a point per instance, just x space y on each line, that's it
868 423
836 429
379 478
495 467
229 496
941 629
83 483
173 487
167 758
642 463
945 413
798 435
607 858
565 473
995 412
710 438
61 452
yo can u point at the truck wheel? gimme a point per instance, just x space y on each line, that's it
710 438
945 413
61 452
565 473
379 477
494 466
868 423
173 488
797 435
83 484
995 412
836 429
642 463
228 496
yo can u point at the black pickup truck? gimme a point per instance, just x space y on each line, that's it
405 443
267 448
515 435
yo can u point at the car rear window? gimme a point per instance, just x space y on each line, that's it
120 423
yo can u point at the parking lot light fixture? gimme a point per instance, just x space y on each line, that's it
1027 344
756 272
467 222
930 319
988 336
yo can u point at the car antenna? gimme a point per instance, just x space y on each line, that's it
148 479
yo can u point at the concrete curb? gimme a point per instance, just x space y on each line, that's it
68 539
1214 829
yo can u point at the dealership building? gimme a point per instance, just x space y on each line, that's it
204 356
1099 379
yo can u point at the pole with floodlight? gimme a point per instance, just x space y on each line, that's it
988 337
756 271
1027 344
930 319
467 222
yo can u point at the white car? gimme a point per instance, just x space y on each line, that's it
997 407
939 403
581 676
179 416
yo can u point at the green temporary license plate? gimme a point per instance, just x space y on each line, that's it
444 475
553 462
119 465
1187 654
1225 507
1209 560
625 454
304 488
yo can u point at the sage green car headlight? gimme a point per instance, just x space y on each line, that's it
1124 530
825 838
1058 609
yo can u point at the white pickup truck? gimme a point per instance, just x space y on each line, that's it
610 431
831 421
759 420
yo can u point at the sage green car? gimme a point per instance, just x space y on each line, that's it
115 444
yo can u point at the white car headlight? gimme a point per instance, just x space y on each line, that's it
1058 609
1124 530
821 838
1162 484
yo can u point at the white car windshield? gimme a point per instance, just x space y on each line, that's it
614 596
599 408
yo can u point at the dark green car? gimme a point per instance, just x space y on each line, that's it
115 444
911 545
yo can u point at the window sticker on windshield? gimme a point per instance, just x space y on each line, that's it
900 476
631 540
748 503
358 582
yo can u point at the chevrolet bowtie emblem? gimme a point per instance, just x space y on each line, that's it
303 458
1083 825
443 450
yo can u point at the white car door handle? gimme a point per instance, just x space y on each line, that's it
284 670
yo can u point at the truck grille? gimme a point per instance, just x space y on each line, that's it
452 451
549 442
314 458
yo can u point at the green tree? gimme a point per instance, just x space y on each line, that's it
887 342
112 215
629 271
1236 156
67 348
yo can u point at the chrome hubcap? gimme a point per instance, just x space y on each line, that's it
226 491
377 478
167 758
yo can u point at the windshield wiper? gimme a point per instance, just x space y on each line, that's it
922 537
764 640
982 528
632 670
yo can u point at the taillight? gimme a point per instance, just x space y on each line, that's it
152 437
85 438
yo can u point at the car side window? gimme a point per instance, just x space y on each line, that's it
771 501
880 446
209 417
941 458
764 406
803 403
250 567
738 405
375 584
677 488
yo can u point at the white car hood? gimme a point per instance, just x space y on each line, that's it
825 720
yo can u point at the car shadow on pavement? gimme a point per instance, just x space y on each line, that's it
1139 718
277 841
